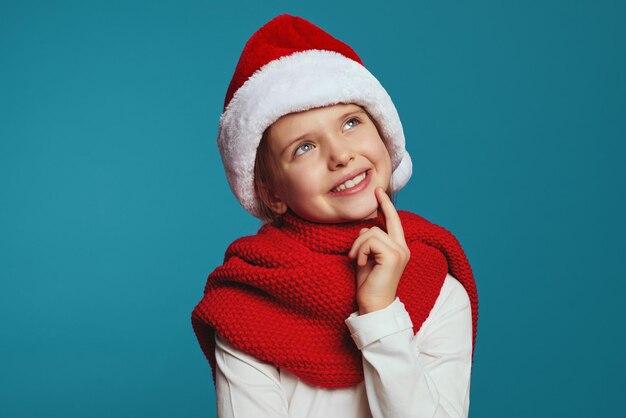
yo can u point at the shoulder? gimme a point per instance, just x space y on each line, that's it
454 291
250 247
452 312
452 297
416 227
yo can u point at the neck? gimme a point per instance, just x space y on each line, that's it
337 238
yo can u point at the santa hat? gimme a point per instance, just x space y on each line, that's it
290 65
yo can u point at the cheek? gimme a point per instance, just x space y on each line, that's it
302 182
385 166
388 160
383 155
302 186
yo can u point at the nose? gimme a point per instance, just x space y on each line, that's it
340 152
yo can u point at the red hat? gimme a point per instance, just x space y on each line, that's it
290 65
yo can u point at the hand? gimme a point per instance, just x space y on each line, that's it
381 259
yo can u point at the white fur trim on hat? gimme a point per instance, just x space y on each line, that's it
293 83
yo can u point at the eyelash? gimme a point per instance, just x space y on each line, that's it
354 118
295 153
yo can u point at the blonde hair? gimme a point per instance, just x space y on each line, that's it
266 173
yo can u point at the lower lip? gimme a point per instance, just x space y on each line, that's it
356 189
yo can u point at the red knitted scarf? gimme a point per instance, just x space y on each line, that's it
283 294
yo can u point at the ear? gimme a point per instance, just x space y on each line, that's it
271 199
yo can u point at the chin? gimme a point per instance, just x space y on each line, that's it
363 214
371 215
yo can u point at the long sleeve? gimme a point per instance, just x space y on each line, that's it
422 375
246 386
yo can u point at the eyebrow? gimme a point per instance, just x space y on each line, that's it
345 115
354 112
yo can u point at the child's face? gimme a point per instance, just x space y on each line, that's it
320 149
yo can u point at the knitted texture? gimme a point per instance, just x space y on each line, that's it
283 295
291 65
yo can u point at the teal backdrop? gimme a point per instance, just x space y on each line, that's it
114 206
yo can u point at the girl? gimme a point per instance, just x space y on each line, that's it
340 306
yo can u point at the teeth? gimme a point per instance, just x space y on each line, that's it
348 184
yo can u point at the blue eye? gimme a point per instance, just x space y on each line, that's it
353 120
303 148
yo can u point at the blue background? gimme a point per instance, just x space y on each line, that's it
114 206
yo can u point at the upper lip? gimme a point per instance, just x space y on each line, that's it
349 176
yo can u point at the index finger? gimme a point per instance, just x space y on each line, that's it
392 219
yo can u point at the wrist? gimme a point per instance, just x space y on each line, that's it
373 307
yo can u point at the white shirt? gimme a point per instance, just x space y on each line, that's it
406 375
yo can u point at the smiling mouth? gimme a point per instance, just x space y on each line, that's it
351 183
